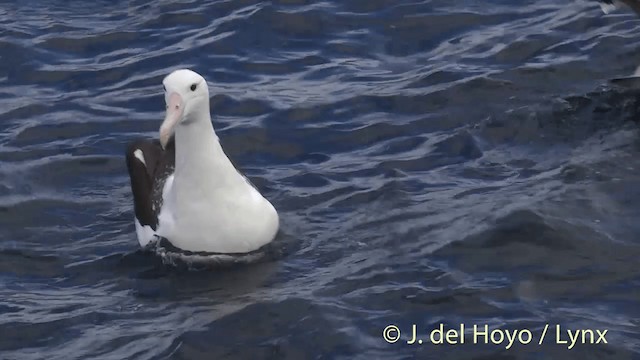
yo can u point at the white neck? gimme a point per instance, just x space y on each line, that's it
201 164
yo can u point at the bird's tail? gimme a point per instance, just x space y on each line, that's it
608 6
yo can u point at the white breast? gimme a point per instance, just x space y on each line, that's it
228 220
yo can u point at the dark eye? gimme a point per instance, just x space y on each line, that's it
193 87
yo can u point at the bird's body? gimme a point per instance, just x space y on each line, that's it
186 189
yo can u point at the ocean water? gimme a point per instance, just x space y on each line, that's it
434 163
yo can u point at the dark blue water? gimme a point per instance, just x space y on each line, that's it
454 162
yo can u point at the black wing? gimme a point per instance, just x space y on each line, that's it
148 166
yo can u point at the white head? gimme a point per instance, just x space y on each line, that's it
184 93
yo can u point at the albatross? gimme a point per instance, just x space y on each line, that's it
185 189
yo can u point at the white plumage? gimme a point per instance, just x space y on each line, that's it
207 205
